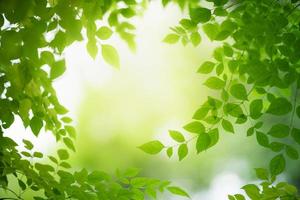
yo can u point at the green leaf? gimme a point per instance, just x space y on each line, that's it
171 38
276 146
291 152
47 57
169 152
110 55
250 131
296 135
211 30
69 143
63 154
92 48
132 172
37 154
279 106
215 83
153 147
202 112
104 33
239 91
28 144
206 67
97 176
262 139
214 136
195 38
200 15
177 191
176 135
203 142
279 131
227 126
21 184
182 151
256 107
232 109
252 191
36 124
195 127
65 165
277 165
57 69
262 173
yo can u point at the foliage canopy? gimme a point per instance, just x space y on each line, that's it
254 71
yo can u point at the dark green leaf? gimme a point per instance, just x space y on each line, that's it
279 131
62 154
262 139
200 15
277 165
256 107
291 152
239 91
279 106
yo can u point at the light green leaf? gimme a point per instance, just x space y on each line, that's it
195 38
177 191
92 48
203 142
182 151
110 55
153 147
104 33
176 135
215 83
170 152
57 69
195 127
171 38
206 67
